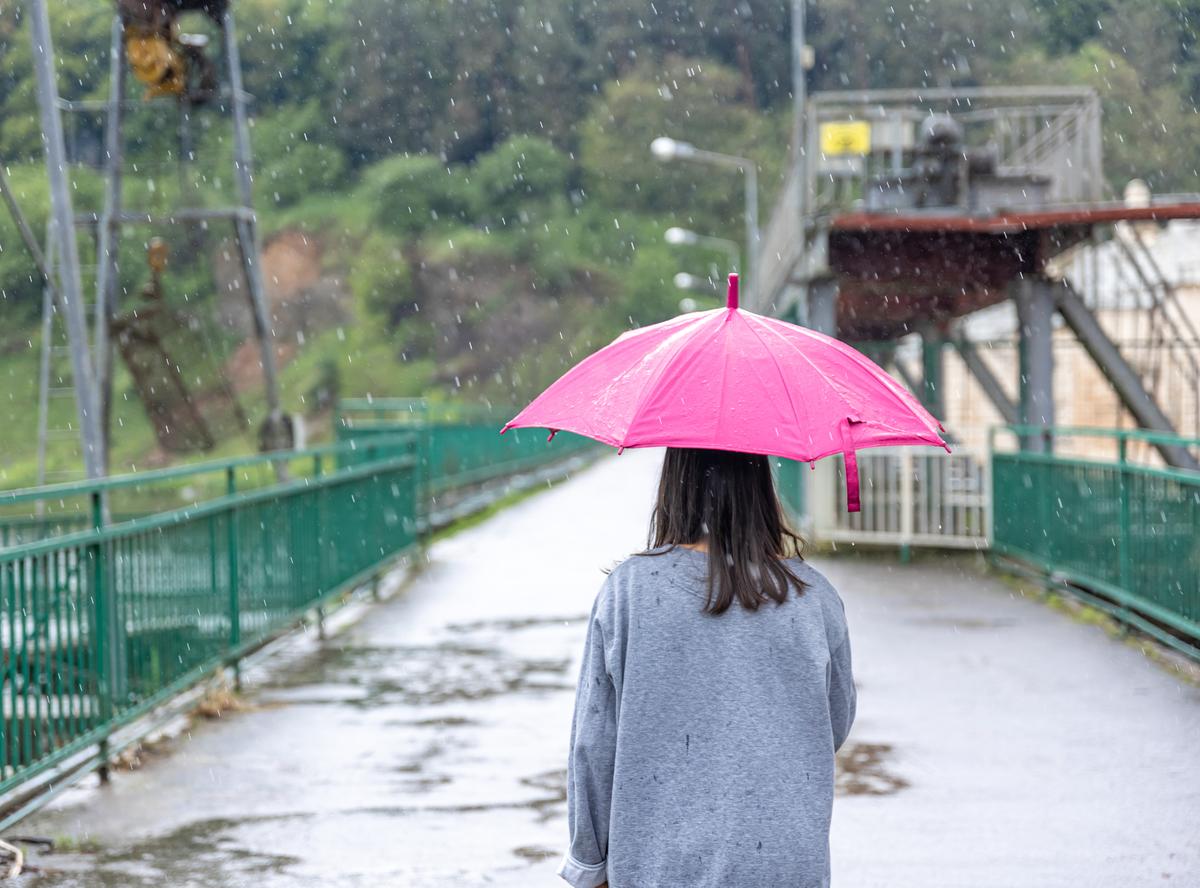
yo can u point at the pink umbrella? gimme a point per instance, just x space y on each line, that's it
729 379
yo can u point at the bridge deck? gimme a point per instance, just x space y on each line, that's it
999 742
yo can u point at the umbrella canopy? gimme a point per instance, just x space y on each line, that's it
729 379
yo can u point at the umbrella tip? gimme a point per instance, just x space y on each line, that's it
732 298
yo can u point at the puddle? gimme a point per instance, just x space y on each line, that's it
514 625
862 770
450 721
555 784
185 858
536 855
416 676
965 622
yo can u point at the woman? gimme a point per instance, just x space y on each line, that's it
715 689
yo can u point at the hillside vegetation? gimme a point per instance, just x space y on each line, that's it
456 196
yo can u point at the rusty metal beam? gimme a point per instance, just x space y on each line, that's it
1012 223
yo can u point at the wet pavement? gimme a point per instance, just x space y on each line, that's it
999 742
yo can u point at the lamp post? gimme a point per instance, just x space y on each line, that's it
802 61
666 148
683 237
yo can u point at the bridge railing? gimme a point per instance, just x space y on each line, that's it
458 445
1119 528
912 496
105 616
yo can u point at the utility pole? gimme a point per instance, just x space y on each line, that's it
799 103
63 228
752 232
247 228
110 232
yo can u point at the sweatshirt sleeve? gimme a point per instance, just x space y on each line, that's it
843 699
590 767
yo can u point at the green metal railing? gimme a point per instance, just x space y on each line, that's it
789 482
459 445
1129 532
103 619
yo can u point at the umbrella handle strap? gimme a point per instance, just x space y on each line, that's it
851 459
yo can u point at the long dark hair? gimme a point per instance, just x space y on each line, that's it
727 501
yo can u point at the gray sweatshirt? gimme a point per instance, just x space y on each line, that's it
702 746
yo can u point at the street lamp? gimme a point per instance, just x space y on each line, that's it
683 237
665 148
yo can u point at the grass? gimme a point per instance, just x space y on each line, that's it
67 844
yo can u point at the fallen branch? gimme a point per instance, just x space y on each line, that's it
12 860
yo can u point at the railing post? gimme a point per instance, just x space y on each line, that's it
1124 556
1047 505
424 474
103 633
1046 490
907 483
990 517
235 596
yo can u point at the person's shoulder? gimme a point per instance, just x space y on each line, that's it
811 577
627 572
632 573
817 584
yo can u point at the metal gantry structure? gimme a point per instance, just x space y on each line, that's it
150 25
908 211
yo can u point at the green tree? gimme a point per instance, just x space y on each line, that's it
381 282
296 156
689 99
1068 24
522 174
80 31
413 193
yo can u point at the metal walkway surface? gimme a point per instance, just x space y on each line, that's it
999 742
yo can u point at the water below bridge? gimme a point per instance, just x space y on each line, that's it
999 742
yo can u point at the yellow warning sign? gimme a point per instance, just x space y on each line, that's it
846 137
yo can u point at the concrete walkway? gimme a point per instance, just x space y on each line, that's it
999 743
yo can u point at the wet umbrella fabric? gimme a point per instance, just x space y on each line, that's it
729 379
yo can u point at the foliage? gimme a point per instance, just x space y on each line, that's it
523 173
690 100
297 155
20 285
412 193
1071 23
478 174
381 281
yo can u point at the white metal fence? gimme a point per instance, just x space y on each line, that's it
910 497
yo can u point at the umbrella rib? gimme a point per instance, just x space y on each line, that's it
783 380
897 400
817 370
889 384
899 394
652 382
723 388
